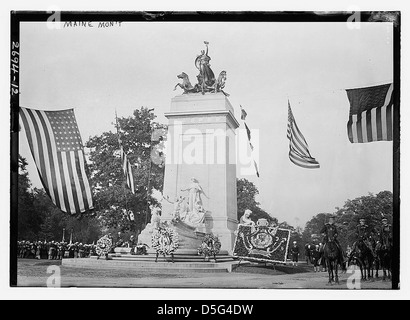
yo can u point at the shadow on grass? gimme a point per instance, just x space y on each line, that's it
262 268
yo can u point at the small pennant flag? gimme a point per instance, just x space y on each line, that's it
371 114
298 148
56 146
243 114
248 133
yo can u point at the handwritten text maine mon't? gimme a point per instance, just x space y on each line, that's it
89 24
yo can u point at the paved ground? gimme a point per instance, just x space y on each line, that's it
36 273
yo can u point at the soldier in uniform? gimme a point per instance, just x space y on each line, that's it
295 253
38 250
132 243
362 230
120 241
364 233
329 230
60 251
385 233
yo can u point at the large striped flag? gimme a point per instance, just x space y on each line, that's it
127 169
248 133
298 148
371 114
56 146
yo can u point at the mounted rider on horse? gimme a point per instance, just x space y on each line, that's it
330 233
384 248
385 234
364 235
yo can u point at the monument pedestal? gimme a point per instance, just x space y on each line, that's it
201 145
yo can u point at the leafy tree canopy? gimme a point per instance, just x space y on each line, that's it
114 201
371 207
247 192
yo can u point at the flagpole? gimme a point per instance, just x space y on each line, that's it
149 176
149 170
119 143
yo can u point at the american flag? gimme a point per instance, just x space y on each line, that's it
56 146
371 114
248 133
298 148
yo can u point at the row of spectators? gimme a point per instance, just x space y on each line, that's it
53 250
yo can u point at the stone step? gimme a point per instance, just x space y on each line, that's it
176 257
169 259
177 267
180 251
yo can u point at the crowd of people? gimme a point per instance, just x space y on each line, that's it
54 250
57 250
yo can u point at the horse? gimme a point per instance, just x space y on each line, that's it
220 84
383 252
332 256
186 84
364 258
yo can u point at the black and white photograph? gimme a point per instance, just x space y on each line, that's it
205 150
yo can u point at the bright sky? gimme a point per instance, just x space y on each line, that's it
100 70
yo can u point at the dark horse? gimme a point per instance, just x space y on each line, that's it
333 257
383 252
364 258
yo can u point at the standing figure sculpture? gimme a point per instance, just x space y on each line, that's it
180 208
195 211
194 197
206 77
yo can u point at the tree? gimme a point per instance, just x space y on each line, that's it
29 221
370 207
113 200
85 228
311 232
246 193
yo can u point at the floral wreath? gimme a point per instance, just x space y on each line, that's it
210 245
165 240
104 245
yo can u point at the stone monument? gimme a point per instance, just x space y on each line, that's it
200 168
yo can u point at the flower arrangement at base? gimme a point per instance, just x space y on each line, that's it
165 240
104 245
210 246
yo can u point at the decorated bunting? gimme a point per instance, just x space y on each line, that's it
261 243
